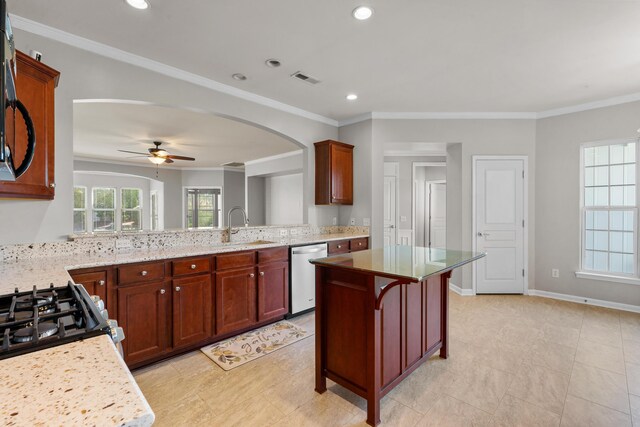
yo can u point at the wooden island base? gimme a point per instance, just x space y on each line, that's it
372 331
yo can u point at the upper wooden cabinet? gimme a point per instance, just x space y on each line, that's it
35 84
334 173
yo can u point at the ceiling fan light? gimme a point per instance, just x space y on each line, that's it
157 160
160 153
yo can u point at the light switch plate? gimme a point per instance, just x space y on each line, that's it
555 273
366 222
352 221
403 218
335 221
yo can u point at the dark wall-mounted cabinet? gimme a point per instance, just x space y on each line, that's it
334 173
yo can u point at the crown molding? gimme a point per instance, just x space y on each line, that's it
609 102
102 49
150 165
356 119
456 115
276 157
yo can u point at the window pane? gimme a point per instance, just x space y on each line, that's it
589 222
79 197
104 198
589 240
617 196
600 261
205 219
588 260
628 221
601 196
615 263
601 240
630 174
616 220
104 221
589 156
617 154
601 220
617 175
130 198
588 196
630 153
79 221
601 175
131 220
602 155
629 195
588 177
615 243
627 264
628 243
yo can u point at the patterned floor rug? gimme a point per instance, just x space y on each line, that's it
237 351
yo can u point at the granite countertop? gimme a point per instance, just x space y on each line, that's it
41 272
81 383
401 262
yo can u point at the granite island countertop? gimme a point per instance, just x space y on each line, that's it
81 383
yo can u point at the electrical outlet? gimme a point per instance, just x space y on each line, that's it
352 221
284 232
555 273
293 231
403 218
366 222
335 221
123 244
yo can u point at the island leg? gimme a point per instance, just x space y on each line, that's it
321 380
444 350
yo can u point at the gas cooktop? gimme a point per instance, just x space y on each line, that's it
43 318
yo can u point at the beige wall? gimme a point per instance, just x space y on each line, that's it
557 198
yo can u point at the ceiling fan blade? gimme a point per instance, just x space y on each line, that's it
171 156
135 157
168 161
133 152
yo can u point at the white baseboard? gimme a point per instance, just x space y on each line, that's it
583 300
458 290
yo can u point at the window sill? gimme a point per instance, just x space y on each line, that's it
608 277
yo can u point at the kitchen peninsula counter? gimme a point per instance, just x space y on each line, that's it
380 313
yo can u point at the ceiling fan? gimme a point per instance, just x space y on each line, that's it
159 155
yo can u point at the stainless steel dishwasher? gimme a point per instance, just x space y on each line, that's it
303 277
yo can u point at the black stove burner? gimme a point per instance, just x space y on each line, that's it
26 302
45 330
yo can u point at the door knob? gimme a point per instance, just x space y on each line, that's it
480 234
392 226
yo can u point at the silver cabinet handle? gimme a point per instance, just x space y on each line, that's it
262 273
162 291
193 266
252 275
177 288
144 272
100 282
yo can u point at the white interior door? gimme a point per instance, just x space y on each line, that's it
437 215
390 206
499 225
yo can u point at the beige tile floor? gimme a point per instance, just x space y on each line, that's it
515 361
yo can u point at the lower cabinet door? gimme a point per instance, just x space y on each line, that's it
94 282
273 290
144 314
192 308
235 300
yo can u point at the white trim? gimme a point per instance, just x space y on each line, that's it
355 119
608 102
158 67
184 206
587 301
525 214
143 165
398 153
629 280
455 115
460 291
396 175
415 165
275 157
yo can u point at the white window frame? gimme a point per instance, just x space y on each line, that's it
153 210
115 209
83 210
220 206
632 278
139 209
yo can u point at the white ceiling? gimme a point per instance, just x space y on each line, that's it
412 56
101 129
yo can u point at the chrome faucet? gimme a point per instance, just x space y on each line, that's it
244 216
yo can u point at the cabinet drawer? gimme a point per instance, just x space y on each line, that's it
235 260
359 244
338 247
140 272
273 254
190 266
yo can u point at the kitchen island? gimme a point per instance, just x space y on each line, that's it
380 313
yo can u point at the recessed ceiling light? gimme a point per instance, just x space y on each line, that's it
362 12
238 76
352 97
138 4
273 63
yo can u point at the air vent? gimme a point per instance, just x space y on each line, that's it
305 77
233 164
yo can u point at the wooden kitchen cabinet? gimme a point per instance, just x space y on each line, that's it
273 290
35 85
334 173
94 282
144 314
192 310
235 299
